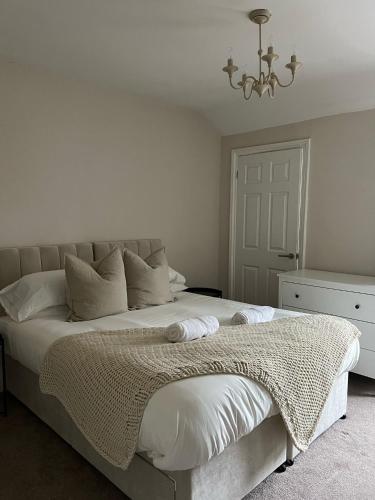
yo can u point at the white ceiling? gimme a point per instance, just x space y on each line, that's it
175 49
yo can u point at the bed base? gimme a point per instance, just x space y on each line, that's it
228 476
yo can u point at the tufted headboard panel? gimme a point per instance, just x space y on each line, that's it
15 262
143 248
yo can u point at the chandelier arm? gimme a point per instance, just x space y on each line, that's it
251 78
248 79
244 92
281 84
233 86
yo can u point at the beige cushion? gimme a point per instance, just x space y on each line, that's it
97 289
147 280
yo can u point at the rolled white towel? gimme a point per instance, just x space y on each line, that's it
253 314
192 329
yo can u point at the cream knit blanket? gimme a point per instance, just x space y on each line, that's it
105 379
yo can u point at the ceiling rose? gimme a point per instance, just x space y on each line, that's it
266 81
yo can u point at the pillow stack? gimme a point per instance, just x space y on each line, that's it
112 285
106 287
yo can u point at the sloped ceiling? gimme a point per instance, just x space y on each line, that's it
175 49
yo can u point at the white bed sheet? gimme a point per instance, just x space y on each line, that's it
187 422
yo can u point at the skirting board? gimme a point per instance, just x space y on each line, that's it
228 476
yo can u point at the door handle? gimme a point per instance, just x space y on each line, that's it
287 255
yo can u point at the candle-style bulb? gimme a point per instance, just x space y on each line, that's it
294 64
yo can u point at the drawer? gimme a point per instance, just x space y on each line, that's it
367 339
366 364
298 309
351 305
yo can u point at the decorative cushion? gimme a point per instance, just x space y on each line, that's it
97 289
147 280
32 293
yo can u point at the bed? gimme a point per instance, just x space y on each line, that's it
216 427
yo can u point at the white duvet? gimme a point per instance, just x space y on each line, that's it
187 422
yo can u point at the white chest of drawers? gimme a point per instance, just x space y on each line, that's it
346 295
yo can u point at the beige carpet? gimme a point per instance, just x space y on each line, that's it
340 464
35 464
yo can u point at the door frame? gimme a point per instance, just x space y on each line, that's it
304 145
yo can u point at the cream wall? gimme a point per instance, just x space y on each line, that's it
85 163
341 204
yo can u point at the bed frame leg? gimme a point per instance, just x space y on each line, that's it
343 417
281 468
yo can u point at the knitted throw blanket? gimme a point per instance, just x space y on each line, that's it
105 379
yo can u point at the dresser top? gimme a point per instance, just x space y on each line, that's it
364 284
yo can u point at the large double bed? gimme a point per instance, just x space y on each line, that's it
208 437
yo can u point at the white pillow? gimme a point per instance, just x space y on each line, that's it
176 281
176 277
176 287
33 293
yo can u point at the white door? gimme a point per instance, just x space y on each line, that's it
266 236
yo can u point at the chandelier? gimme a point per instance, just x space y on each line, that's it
266 81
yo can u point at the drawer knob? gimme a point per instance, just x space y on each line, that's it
297 296
357 306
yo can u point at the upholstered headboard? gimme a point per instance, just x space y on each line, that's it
15 262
